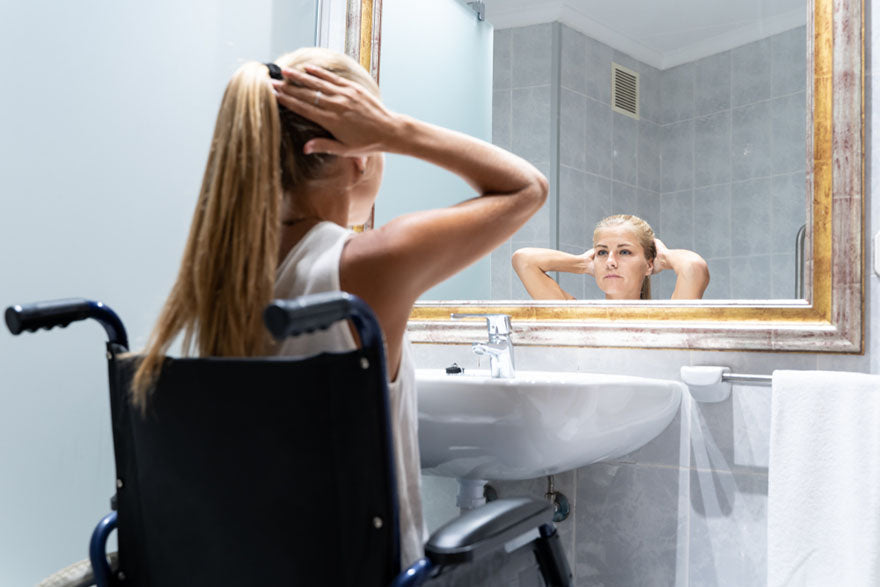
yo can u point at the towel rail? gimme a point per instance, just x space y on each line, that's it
747 379
712 383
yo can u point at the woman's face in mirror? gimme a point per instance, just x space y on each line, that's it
620 265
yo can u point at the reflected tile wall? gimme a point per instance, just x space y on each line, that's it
599 130
521 103
745 159
597 205
712 212
750 77
620 156
721 137
575 198
648 151
751 145
609 162
712 147
712 84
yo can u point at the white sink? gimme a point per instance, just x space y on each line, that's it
539 423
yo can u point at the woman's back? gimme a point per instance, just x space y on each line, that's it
312 266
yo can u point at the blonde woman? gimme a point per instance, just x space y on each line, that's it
625 254
294 162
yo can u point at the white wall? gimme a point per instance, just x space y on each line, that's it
106 112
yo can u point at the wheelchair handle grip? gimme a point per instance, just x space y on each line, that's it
52 313
319 311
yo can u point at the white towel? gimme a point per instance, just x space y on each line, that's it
823 510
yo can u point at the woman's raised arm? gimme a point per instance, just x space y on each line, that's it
532 264
392 266
691 271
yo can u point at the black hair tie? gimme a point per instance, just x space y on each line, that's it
274 71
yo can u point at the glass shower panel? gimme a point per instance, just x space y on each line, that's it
437 49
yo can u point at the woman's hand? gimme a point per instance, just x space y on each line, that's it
691 271
661 261
589 261
357 119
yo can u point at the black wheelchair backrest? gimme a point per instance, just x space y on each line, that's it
244 470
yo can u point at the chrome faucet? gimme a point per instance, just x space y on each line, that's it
499 349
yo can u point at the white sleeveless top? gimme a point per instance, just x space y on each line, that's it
312 266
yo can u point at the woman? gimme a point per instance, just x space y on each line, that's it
293 163
625 254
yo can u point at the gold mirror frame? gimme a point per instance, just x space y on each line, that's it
829 320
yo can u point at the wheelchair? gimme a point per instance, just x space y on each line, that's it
275 470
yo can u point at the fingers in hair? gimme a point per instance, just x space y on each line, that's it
301 105
326 74
311 81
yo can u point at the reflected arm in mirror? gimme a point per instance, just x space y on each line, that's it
532 264
691 271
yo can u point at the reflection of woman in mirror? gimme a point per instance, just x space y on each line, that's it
625 254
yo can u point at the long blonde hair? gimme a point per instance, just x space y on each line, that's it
227 275
644 234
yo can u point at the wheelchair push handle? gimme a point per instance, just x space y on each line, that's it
52 313
319 311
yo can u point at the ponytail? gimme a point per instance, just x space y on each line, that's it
227 275
646 288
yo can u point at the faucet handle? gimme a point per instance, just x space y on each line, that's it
497 323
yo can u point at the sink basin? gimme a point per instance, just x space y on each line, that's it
539 423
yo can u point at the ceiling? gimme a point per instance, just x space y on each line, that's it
661 33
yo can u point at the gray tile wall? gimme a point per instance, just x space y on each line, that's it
715 163
521 115
619 168
733 186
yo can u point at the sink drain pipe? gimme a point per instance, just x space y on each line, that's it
561 507
471 494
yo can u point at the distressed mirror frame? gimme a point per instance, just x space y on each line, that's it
828 320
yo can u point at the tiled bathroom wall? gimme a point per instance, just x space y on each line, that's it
521 111
609 163
715 163
733 156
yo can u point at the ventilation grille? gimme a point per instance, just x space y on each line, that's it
624 90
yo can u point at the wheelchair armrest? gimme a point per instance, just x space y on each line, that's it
485 529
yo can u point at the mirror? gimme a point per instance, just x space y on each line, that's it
691 116
704 145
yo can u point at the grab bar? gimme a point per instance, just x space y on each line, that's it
799 262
